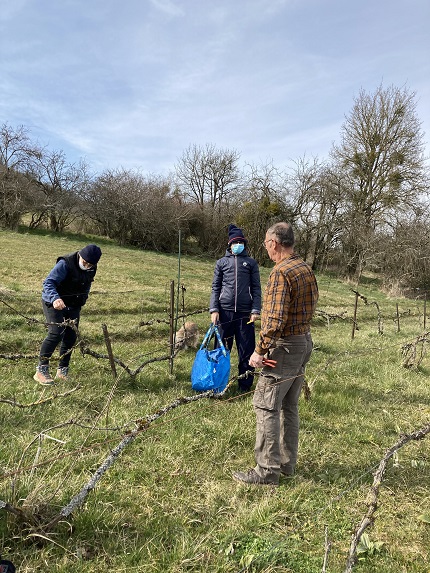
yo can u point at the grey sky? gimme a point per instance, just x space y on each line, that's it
133 83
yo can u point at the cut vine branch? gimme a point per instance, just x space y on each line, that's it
86 350
142 425
55 396
372 503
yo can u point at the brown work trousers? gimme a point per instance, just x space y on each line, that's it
275 402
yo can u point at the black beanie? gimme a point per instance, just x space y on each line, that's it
91 254
235 234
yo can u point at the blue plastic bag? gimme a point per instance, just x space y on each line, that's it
211 368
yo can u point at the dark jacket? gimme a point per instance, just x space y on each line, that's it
68 282
236 284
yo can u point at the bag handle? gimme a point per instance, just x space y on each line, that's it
207 336
220 342
213 329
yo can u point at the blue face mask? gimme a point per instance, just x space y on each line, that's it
237 248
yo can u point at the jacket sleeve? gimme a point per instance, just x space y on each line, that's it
216 288
256 289
55 277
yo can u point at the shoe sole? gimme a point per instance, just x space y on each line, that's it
46 383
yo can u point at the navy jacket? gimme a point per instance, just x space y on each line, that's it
236 284
68 282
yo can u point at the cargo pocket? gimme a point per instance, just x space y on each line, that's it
266 393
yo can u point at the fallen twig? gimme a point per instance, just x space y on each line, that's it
38 402
86 350
327 547
19 356
22 515
142 425
368 519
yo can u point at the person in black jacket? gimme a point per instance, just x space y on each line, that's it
236 301
65 291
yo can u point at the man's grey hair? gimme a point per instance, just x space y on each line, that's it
283 232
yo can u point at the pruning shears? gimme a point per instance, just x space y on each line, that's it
270 363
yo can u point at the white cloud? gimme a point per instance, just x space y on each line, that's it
134 83
168 7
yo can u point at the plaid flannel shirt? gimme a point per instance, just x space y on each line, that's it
289 303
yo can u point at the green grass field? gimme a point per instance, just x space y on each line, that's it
168 502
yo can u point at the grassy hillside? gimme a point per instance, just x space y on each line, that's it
168 502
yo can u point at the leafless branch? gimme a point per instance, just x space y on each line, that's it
143 425
368 519
55 396
327 547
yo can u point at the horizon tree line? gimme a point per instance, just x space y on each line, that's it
365 207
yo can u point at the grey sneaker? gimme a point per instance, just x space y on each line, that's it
252 477
42 376
62 373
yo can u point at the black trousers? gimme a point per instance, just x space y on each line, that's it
56 334
233 327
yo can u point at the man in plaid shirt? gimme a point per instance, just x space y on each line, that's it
289 303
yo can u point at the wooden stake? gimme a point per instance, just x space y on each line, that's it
172 324
109 349
354 321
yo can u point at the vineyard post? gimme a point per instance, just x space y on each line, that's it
172 324
109 350
355 316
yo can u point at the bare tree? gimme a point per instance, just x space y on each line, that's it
207 175
207 178
381 155
136 210
405 255
16 148
17 152
61 184
261 202
316 193
107 205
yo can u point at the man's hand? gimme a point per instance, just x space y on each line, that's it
256 360
253 317
59 304
215 317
